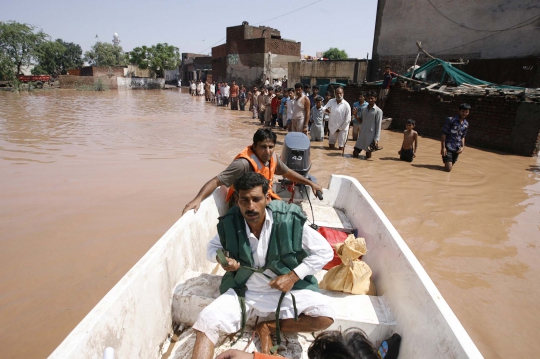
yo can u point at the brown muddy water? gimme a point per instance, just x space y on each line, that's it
89 181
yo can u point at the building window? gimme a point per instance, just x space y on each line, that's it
343 81
306 81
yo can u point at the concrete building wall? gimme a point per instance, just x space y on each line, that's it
353 71
102 71
454 29
172 75
134 71
126 83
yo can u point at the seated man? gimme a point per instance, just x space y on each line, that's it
258 157
272 251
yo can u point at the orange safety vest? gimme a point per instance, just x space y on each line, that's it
258 167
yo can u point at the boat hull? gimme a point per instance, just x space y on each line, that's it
135 317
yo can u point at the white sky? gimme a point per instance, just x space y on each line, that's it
196 26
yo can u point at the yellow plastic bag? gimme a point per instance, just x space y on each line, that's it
353 275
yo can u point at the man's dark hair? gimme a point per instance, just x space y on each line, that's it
372 93
290 89
315 87
297 85
264 134
250 180
362 93
333 344
387 67
464 106
340 87
411 121
327 93
318 98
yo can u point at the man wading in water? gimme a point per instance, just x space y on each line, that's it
453 136
260 158
273 255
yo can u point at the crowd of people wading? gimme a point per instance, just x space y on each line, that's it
300 108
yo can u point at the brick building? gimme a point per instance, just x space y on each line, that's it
195 67
504 123
252 53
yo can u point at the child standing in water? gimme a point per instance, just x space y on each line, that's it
316 119
410 138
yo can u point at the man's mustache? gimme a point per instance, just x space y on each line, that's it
249 213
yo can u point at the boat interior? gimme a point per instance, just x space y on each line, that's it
149 312
200 288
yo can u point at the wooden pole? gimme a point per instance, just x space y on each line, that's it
415 61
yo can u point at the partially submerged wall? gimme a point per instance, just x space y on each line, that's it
87 82
496 122
126 83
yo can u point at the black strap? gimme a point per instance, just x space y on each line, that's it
241 293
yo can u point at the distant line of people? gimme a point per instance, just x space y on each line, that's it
302 109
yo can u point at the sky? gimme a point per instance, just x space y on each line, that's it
196 25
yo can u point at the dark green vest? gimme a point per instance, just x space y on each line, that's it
284 249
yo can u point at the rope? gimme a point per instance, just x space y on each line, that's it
241 293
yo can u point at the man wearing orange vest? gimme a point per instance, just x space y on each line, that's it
260 158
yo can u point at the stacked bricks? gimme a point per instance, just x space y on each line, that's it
496 122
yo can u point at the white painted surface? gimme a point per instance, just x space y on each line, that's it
425 321
135 317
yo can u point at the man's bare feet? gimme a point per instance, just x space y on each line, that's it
264 332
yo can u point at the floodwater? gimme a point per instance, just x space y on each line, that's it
89 181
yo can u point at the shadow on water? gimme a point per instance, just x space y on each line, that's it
430 167
389 159
252 123
336 154
534 169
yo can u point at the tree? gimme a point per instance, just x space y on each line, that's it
105 54
56 57
18 45
334 53
139 56
7 68
158 58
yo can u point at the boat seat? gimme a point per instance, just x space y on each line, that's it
369 313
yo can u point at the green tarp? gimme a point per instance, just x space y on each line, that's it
457 75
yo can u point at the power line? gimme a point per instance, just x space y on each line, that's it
277 17
514 27
200 52
470 28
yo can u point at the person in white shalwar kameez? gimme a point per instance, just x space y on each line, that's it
371 127
262 294
339 112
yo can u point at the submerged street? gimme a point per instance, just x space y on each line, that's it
91 180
